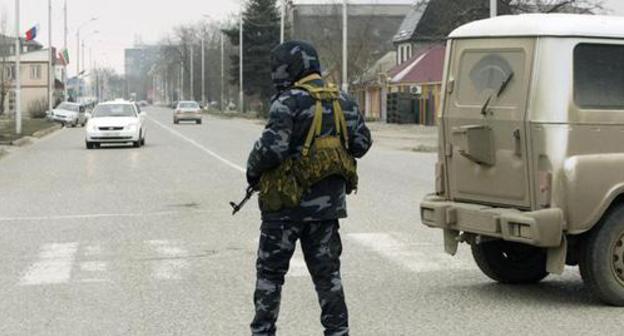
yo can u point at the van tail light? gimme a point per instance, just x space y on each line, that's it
544 192
439 178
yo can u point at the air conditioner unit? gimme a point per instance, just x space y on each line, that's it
416 89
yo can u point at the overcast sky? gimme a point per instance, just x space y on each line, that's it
120 21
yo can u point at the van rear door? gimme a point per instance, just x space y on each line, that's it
485 121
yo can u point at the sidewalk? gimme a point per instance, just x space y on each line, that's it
414 138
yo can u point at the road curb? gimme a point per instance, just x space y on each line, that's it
28 140
42 133
23 141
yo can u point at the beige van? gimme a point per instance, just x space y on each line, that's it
531 159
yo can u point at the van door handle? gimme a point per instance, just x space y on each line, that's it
517 142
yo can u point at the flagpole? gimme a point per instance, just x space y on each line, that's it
51 74
18 79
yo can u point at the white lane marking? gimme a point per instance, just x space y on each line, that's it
172 264
297 266
103 215
54 265
199 146
405 255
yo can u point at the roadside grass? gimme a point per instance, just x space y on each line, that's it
29 127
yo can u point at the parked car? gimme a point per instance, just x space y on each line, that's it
530 161
70 114
143 103
116 122
187 111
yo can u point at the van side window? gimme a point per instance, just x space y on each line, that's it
599 76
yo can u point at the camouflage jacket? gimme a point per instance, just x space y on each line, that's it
289 121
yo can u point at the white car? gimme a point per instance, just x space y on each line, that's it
71 114
189 111
116 122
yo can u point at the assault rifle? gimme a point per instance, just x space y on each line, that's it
238 207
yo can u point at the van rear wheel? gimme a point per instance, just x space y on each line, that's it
602 259
510 263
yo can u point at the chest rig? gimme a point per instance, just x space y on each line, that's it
322 156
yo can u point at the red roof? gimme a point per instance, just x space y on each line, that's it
426 66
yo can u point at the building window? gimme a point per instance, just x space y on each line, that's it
35 72
599 76
405 53
9 72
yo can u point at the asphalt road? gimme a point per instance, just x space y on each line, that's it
125 241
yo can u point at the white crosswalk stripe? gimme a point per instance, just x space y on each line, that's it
410 257
54 265
297 266
71 262
171 265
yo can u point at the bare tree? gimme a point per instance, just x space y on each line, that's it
174 57
5 46
369 36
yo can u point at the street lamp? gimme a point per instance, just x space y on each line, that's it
83 47
203 62
78 43
241 94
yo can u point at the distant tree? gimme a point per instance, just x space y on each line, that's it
261 30
443 16
554 6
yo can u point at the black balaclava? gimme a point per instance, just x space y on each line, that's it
292 61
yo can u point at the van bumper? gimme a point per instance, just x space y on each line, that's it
542 228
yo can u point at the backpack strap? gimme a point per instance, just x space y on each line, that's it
321 94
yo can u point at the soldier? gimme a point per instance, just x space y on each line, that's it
304 111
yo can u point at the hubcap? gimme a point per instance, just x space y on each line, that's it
618 259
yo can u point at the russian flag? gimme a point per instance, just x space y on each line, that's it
32 33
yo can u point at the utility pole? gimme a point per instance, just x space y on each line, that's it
282 21
192 75
182 81
203 69
51 72
222 72
84 60
345 51
18 78
65 93
241 94
493 8
77 53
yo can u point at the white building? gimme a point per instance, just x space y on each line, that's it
34 80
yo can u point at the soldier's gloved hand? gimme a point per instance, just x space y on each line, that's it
254 181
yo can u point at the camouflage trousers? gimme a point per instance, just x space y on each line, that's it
322 247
